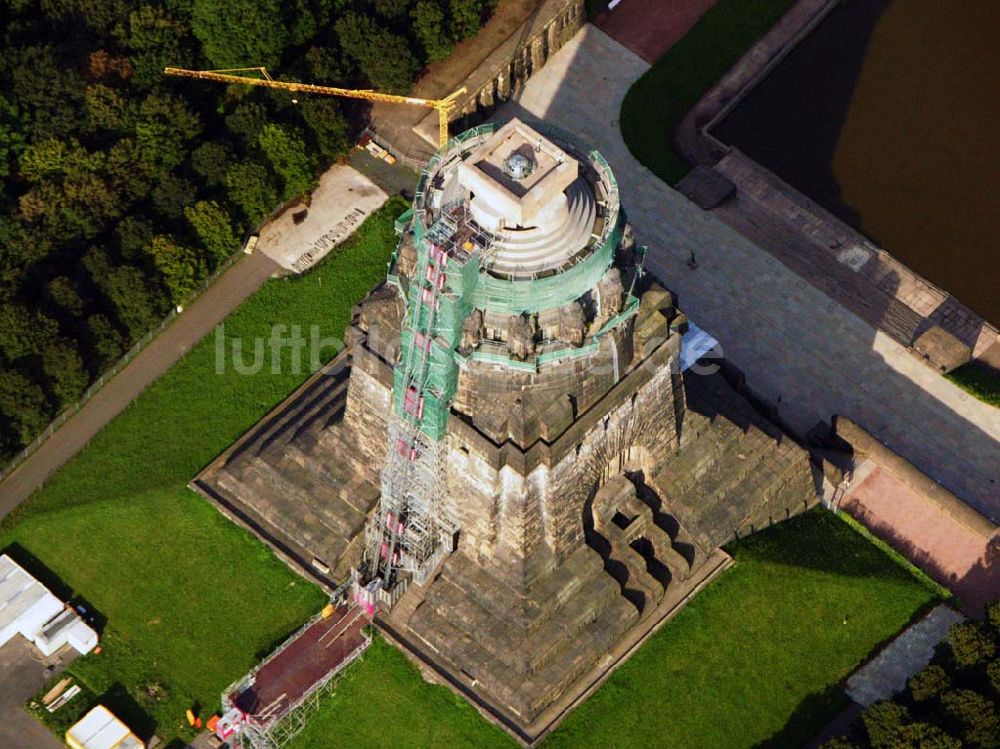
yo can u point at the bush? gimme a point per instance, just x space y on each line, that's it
882 721
922 736
929 683
973 716
971 644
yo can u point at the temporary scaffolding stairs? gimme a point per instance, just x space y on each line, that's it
410 532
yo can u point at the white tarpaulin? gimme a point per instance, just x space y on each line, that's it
695 343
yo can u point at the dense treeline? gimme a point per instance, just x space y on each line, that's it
954 702
123 189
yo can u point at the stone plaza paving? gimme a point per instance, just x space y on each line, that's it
799 349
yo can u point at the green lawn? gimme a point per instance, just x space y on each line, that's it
191 601
382 701
658 101
754 660
978 381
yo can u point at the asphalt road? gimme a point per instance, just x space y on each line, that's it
241 280
22 674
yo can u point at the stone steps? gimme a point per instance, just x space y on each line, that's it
282 427
286 516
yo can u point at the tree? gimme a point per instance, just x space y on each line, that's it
134 235
247 120
129 172
993 615
158 39
240 33
466 17
164 127
391 10
64 371
251 189
106 109
212 160
428 25
100 15
127 290
11 138
285 149
974 716
971 643
838 742
63 295
928 683
48 93
23 410
214 228
922 736
993 674
103 341
328 126
882 720
172 194
385 58
180 266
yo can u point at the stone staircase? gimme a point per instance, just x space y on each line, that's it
640 544
520 649
282 478
734 471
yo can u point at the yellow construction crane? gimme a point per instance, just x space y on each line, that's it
443 106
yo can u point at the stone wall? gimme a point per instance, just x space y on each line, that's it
509 66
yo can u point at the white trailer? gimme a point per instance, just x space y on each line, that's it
29 609
100 729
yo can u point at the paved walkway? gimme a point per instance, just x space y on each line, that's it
887 673
799 349
245 276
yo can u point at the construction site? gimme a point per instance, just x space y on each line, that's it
512 471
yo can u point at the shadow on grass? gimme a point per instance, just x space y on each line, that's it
808 719
118 700
818 540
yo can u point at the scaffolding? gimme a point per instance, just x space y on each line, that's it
270 706
410 531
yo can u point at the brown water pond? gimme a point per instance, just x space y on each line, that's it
888 115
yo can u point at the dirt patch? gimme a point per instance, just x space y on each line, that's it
651 27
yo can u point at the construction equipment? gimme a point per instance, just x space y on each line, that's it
444 106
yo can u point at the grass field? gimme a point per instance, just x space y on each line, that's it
191 601
658 101
754 660
382 701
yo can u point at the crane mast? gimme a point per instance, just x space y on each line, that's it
246 76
